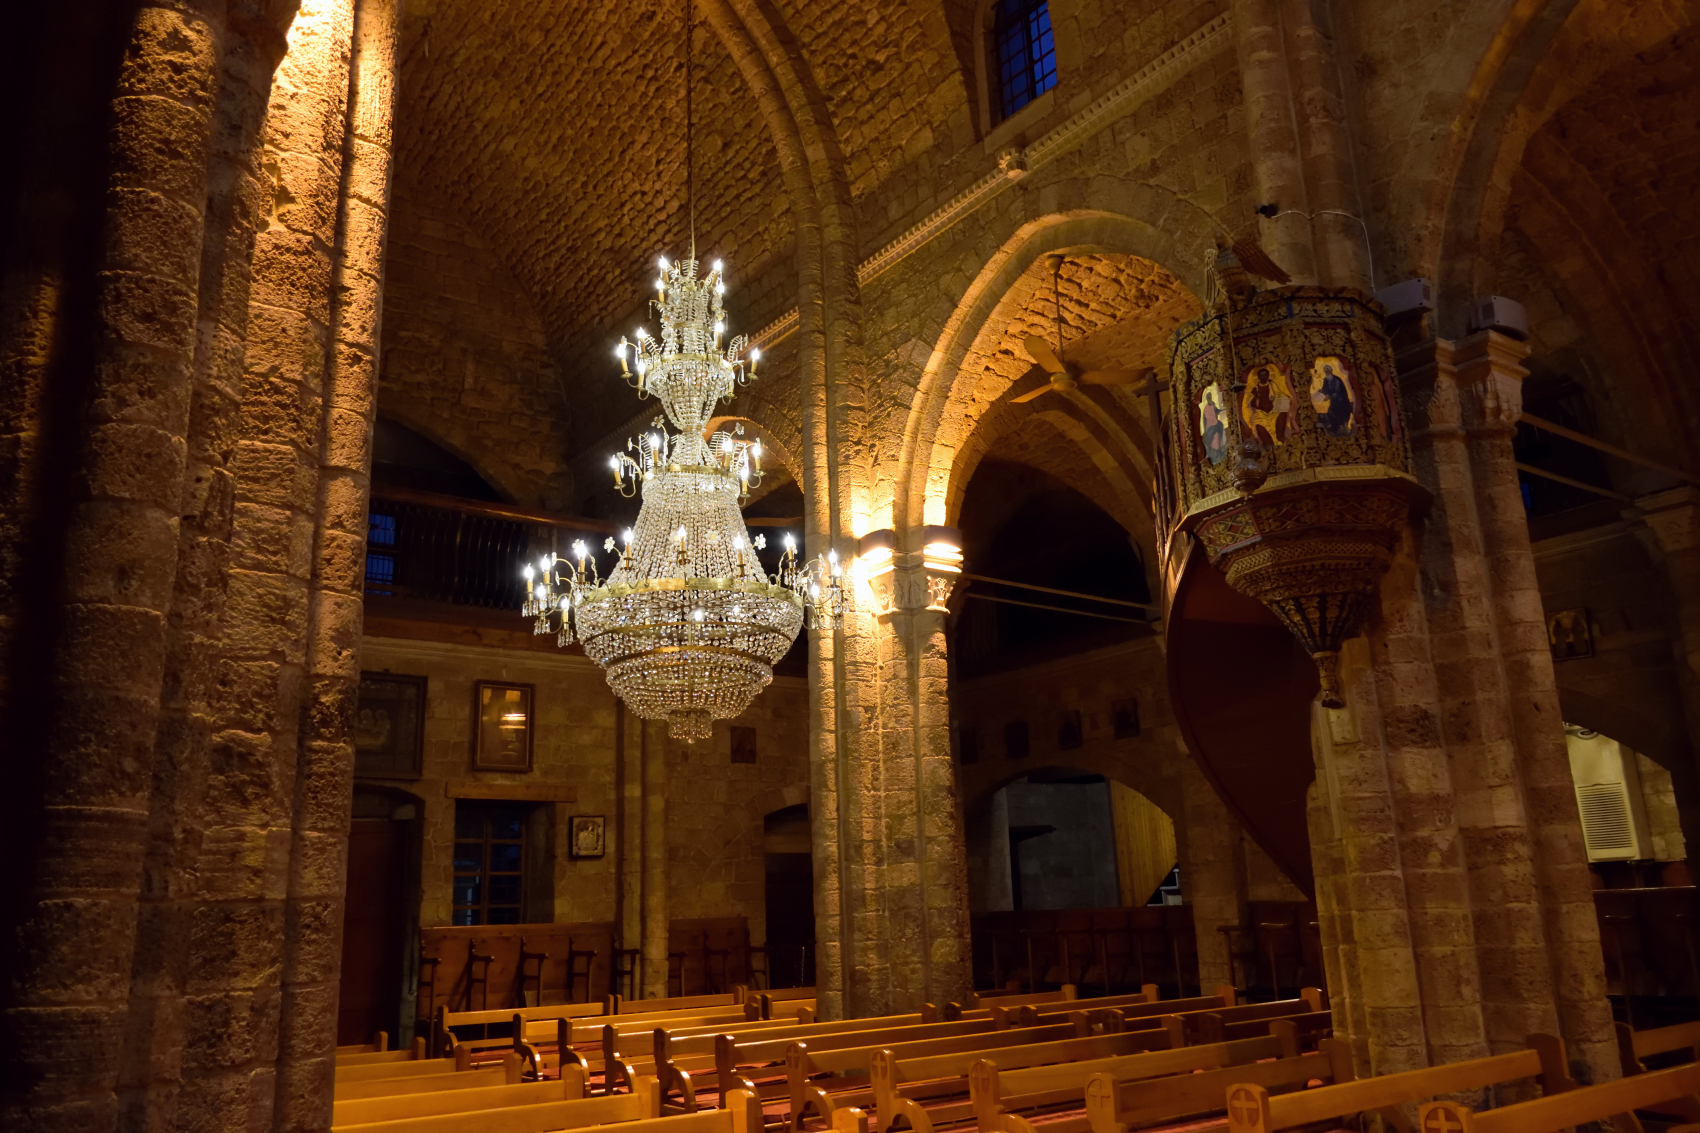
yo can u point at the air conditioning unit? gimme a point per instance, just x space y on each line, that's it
1608 795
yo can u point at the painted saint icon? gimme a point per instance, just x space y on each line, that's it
1267 405
1212 429
1332 397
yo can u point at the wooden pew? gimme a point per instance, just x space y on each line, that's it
1233 1022
742 1063
731 1000
380 1042
1615 1100
412 1053
849 1066
1252 1109
505 1073
996 1092
644 1102
1115 1106
412 1068
900 1084
1634 1046
743 1115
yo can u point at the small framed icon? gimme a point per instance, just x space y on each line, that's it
589 835
503 714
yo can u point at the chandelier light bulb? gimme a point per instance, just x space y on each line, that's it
755 354
790 543
620 351
628 536
529 573
664 264
717 267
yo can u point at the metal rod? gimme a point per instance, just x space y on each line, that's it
495 511
1058 609
1612 450
1545 475
1064 593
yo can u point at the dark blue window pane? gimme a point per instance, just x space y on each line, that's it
466 916
504 857
504 890
469 857
1026 55
505 826
504 916
380 530
466 891
380 568
469 822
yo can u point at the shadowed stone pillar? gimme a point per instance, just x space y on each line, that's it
654 758
1451 876
897 849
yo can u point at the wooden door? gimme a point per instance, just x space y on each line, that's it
373 922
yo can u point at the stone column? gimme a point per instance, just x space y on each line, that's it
83 722
1490 376
1451 879
1672 520
901 853
1212 873
655 922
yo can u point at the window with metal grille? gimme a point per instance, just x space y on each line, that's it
1025 57
380 552
489 884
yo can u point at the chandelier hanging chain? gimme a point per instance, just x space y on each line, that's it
688 623
690 131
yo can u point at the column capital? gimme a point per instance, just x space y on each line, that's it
1673 516
912 571
1488 368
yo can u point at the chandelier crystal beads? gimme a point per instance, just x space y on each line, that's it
688 624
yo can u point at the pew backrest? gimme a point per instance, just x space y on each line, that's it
1252 1109
1114 1105
1573 1108
396 1107
1634 1046
427 1084
742 1116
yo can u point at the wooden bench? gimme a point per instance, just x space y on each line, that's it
751 1063
850 1066
1253 1109
413 1053
505 1073
1634 1046
368 1071
380 1042
624 1041
394 1107
742 1115
900 1084
996 1090
1615 1100
1115 1106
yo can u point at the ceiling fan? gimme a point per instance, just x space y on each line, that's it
1063 376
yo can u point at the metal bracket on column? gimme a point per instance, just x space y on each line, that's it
912 572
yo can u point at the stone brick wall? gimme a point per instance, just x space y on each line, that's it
714 807
466 357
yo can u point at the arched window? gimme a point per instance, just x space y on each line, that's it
1025 53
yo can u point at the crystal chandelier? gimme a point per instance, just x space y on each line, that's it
688 624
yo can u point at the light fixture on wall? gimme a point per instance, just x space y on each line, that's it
688 624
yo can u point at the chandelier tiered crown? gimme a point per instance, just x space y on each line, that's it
688 624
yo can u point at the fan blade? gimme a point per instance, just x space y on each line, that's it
1112 377
1031 394
1040 351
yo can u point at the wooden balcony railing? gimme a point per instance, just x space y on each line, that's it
434 548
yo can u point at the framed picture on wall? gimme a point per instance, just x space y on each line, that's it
589 835
503 720
389 726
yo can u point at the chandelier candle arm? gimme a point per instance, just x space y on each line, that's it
688 624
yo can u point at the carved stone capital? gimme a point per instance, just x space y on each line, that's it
911 574
1673 516
1488 368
